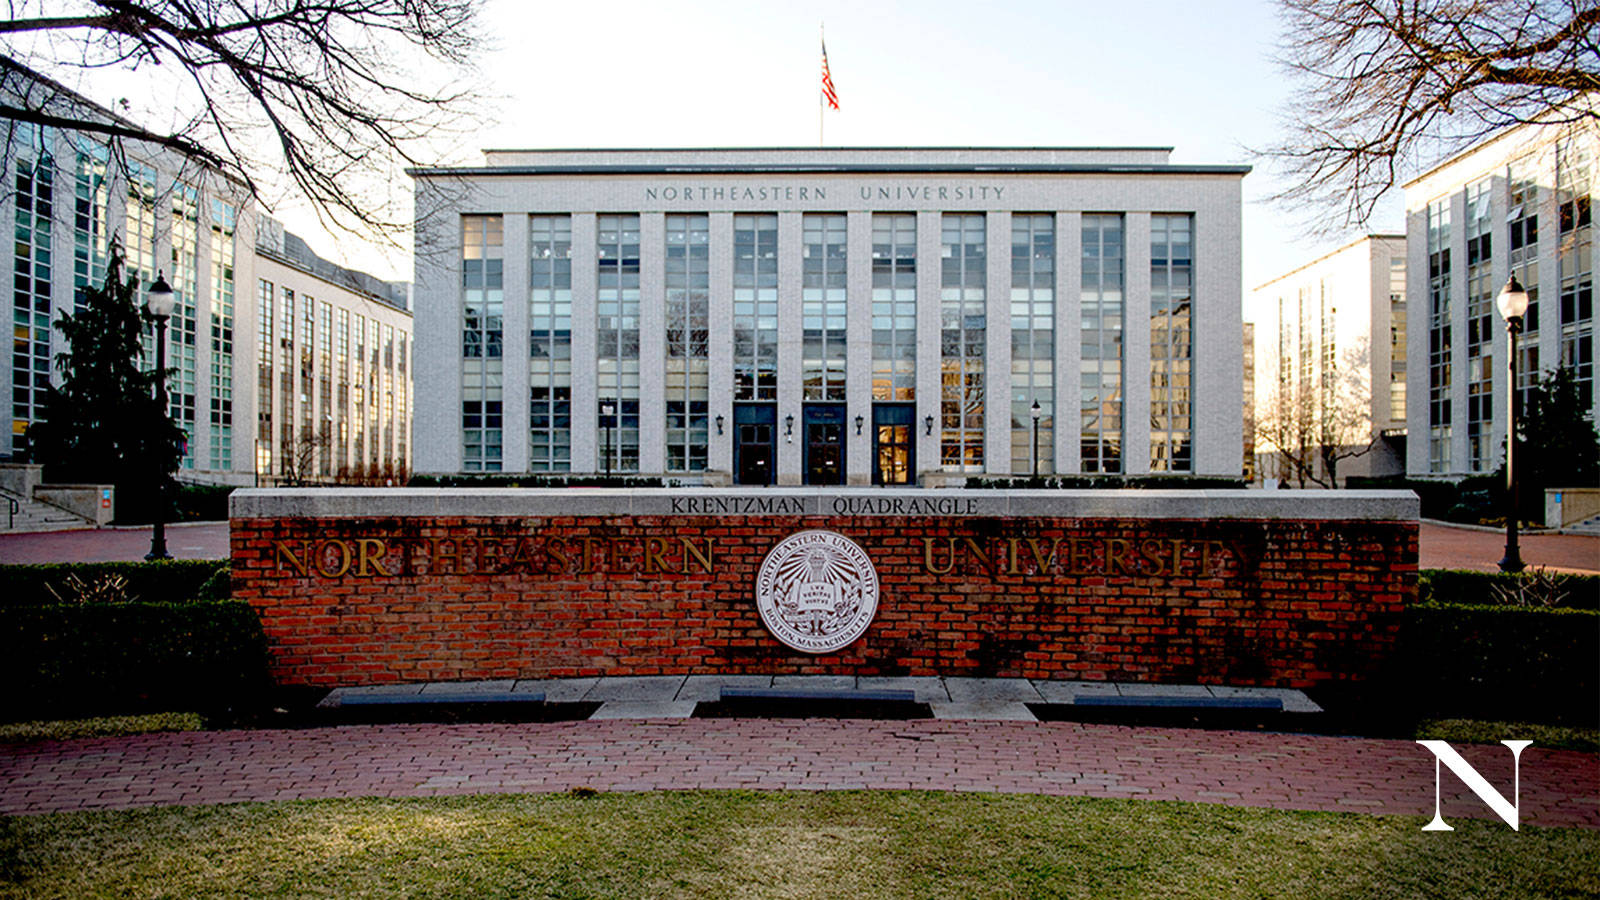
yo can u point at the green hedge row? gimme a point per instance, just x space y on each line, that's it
539 481
175 579
1461 587
1111 482
59 661
1501 662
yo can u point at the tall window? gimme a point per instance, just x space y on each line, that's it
1397 340
549 344
90 229
1100 366
490 421
1481 317
326 434
1575 260
182 330
388 398
1171 342
1439 335
402 401
482 372
823 307
341 364
33 273
688 389
1522 216
1033 340
288 365
755 307
306 444
963 301
139 230
223 220
617 340
264 376
894 306
358 399
1328 354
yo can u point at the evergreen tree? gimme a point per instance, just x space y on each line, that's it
1557 446
103 423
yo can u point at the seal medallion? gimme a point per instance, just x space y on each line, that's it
817 591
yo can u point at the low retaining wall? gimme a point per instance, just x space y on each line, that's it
1281 588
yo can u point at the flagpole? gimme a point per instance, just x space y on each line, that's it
821 106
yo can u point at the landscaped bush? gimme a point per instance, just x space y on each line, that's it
1438 497
202 503
1502 662
1111 482
1460 587
66 660
173 579
538 481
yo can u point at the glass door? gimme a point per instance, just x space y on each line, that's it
755 442
894 443
824 447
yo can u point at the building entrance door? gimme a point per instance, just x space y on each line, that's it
755 442
894 443
824 434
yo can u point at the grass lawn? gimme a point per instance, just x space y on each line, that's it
835 844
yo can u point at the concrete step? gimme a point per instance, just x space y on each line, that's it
32 516
1587 526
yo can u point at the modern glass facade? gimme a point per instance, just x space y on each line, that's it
688 351
1033 343
963 334
549 343
1439 331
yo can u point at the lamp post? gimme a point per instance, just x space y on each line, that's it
1034 411
159 301
1512 303
608 412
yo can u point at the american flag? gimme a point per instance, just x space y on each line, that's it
828 92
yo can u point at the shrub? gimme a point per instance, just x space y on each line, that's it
1502 662
1459 587
1438 497
539 481
1110 482
65 660
180 579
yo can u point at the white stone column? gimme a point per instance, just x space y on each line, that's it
791 445
997 352
437 361
928 341
1136 345
1417 318
720 343
1068 341
585 282
514 343
652 343
1216 365
858 346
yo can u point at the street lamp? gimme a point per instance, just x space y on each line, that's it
1512 303
160 301
607 412
1034 411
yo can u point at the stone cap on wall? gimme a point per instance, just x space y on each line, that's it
273 503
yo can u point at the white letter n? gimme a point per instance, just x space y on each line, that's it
1508 812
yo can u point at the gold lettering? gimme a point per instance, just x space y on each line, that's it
344 559
521 558
689 549
589 544
978 553
1150 549
285 553
1011 556
1081 555
1117 552
437 558
1177 557
372 551
1043 562
556 549
619 561
654 547
927 556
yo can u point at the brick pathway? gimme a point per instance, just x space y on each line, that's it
1443 547
1234 768
190 540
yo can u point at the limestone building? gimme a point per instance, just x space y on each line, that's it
1516 203
1331 365
812 316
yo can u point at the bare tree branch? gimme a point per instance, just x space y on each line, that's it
1385 86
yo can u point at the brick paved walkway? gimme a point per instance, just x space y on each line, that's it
1444 547
1235 768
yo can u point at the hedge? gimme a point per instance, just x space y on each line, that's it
540 481
1502 662
1111 482
66 660
1462 587
175 579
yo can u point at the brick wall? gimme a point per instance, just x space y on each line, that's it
1273 602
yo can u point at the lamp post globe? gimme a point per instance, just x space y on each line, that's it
160 301
607 412
1513 305
1035 411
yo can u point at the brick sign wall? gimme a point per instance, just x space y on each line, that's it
976 590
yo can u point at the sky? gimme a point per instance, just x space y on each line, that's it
1195 76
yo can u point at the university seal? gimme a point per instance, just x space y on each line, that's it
817 591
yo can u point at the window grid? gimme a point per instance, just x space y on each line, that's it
1171 342
375 446
894 307
755 307
1481 317
549 344
617 340
1522 206
326 436
288 361
139 229
402 403
33 273
1575 262
1033 345
963 309
264 376
1100 343
388 399
823 307
305 448
358 395
688 385
90 228
341 395
1397 341
223 222
482 372
183 327
1439 411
